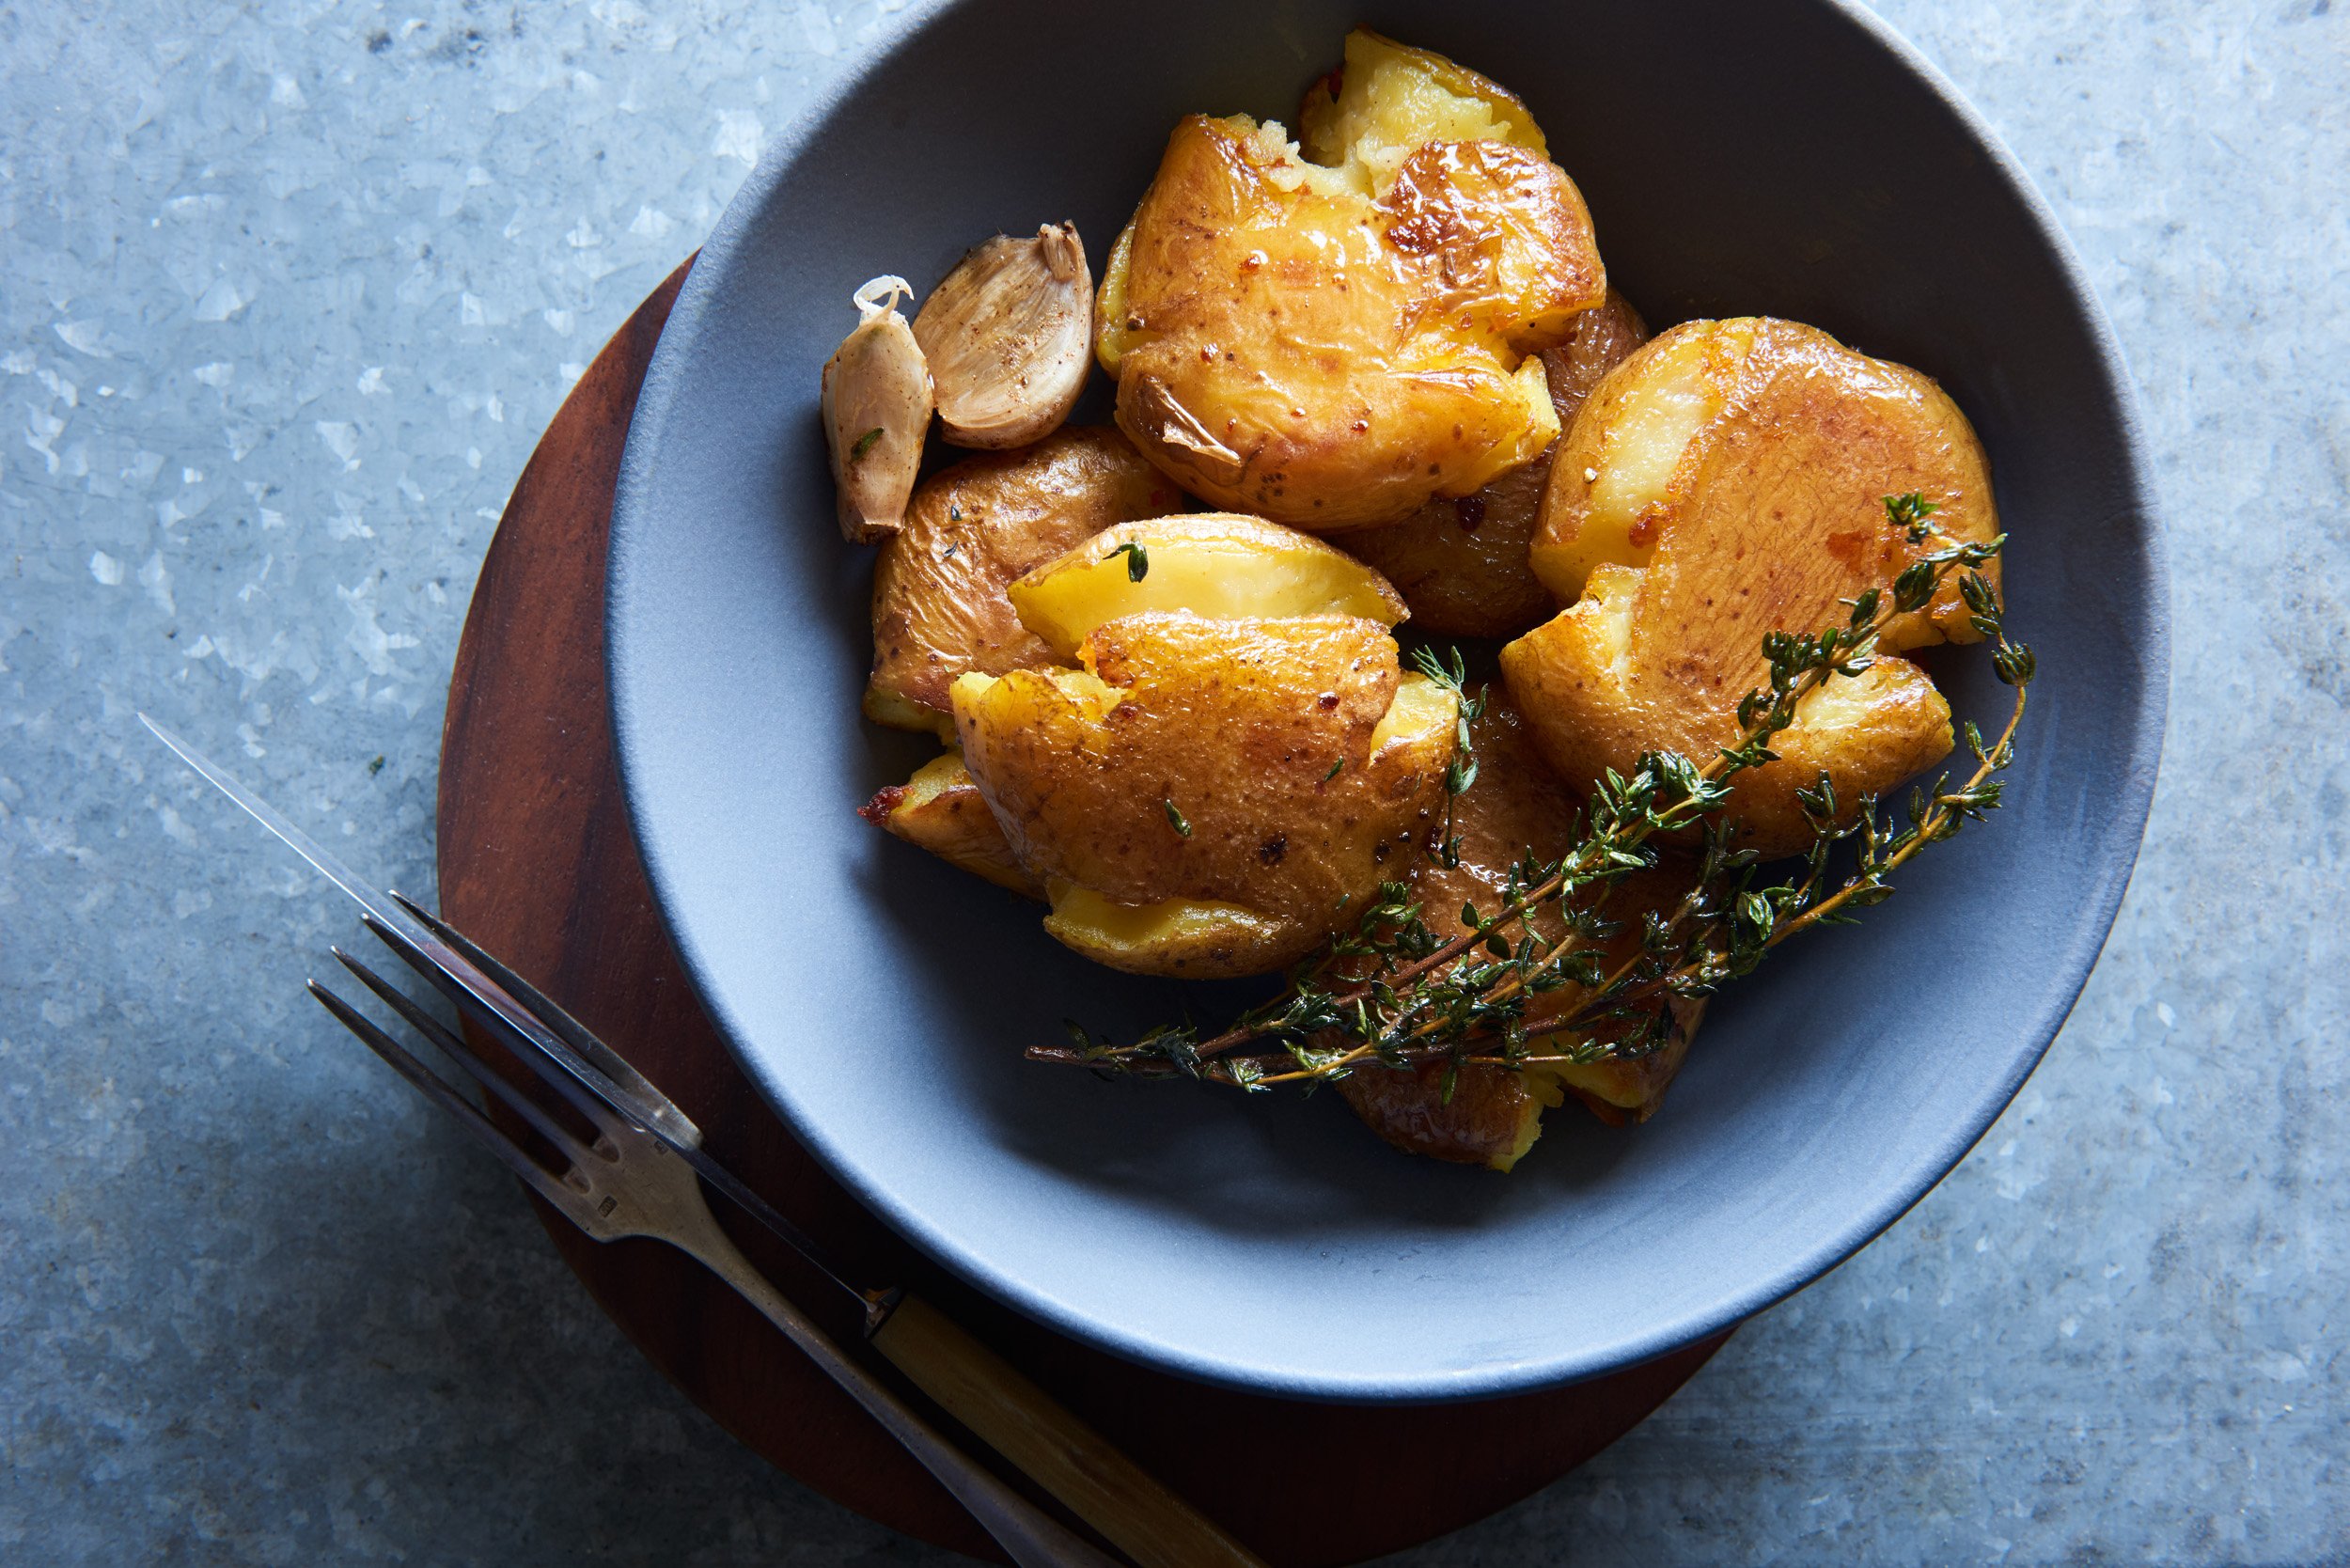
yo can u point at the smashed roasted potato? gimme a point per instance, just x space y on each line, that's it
1517 805
1389 348
1328 338
939 809
1460 564
1207 794
939 601
1731 479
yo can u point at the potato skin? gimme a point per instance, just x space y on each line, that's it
1492 1119
1460 564
1519 803
1771 516
1238 724
939 604
1328 358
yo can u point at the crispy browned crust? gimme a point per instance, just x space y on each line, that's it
1460 564
939 608
1263 378
1236 725
1773 521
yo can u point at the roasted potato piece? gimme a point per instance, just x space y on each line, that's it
1331 343
1727 480
1194 937
1276 766
1492 1119
1389 100
939 605
1214 564
1519 803
940 809
1460 564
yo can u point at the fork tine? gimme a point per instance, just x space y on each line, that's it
530 1053
455 1049
565 1028
577 1071
544 1181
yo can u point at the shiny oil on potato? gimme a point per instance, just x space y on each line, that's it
1207 794
1460 564
1330 337
1727 481
1518 806
939 601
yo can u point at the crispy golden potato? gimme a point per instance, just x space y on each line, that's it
1214 564
939 607
1460 564
940 809
1278 767
1517 804
1727 480
1329 343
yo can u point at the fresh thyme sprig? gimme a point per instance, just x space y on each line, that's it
1391 991
1460 772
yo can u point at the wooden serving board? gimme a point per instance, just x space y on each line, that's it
537 864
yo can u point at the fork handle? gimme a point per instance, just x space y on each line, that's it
1068 1458
1033 1539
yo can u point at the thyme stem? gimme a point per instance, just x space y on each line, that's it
1423 1000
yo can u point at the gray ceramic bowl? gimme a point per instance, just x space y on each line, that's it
1789 157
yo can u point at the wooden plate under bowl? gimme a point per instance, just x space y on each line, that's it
537 864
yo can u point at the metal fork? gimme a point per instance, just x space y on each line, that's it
641 1176
629 1184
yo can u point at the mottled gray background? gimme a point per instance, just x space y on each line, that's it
286 295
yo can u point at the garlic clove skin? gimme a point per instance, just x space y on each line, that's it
877 401
1009 336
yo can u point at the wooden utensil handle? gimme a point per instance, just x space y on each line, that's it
1068 1458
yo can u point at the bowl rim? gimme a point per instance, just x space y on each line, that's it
2130 802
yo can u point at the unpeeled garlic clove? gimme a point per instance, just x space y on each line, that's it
1007 336
877 401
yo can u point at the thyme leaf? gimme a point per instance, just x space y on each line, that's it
1138 560
1389 991
1909 513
